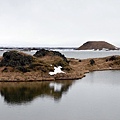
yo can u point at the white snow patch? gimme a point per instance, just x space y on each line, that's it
56 70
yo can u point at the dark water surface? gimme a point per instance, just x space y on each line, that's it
95 97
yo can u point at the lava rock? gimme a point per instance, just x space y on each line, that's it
92 62
112 58
15 58
43 52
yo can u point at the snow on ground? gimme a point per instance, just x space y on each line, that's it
56 70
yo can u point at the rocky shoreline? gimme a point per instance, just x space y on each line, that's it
19 67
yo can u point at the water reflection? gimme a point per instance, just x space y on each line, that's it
19 93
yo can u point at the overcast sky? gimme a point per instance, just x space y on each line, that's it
58 22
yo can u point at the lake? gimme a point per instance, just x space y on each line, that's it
95 97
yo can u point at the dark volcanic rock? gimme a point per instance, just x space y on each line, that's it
43 52
92 62
112 58
15 58
97 45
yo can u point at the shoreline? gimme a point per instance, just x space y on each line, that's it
78 71
57 79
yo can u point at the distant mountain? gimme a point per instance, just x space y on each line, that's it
97 45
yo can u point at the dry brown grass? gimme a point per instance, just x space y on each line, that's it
41 67
80 68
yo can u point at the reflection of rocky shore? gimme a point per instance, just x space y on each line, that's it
18 93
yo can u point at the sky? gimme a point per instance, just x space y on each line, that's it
58 23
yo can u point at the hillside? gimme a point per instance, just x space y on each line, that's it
17 66
97 45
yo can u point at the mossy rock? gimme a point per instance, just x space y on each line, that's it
92 62
15 58
26 63
112 58
43 52
23 69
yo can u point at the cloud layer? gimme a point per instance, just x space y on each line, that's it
58 23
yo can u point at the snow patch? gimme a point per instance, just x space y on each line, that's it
56 70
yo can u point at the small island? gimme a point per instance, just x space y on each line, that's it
97 45
17 66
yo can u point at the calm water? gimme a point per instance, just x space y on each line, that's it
95 97
89 54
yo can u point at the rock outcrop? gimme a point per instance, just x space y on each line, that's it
43 52
43 61
97 45
15 58
54 58
17 66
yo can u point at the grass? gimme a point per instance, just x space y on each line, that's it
40 67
